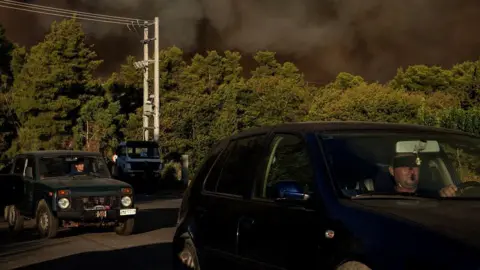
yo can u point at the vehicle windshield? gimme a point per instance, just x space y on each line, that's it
60 166
422 164
138 152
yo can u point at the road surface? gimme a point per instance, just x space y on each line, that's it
148 248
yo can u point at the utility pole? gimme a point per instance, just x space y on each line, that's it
148 109
156 84
145 83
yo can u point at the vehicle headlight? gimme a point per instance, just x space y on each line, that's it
63 203
126 201
160 166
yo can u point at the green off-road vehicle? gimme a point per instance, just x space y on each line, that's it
70 189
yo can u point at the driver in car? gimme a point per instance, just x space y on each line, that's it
79 167
405 172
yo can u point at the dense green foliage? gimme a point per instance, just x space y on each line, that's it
50 98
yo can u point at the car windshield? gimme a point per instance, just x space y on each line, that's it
378 165
138 152
60 166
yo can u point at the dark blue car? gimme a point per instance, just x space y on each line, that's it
334 195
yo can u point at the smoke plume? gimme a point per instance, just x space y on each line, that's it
371 38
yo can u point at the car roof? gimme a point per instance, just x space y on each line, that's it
44 153
332 126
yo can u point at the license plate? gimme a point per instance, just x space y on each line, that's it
128 212
101 214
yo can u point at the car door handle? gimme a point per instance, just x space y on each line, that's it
242 223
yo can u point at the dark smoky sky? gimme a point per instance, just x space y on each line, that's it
371 38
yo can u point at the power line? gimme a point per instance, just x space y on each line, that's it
70 13
64 16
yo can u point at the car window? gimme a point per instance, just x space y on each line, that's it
214 174
419 163
240 165
73 166
19 166
287 159
206 167
236 165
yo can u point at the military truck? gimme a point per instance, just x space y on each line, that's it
70 189
138 163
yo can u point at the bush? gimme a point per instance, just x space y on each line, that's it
171 177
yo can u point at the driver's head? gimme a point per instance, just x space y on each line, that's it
79 165
405 170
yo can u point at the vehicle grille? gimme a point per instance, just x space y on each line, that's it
82 203
141 166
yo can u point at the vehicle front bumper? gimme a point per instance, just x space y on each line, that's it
140 174
91 215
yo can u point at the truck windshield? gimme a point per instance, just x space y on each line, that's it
59 166
138 152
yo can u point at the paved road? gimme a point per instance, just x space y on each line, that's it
148 248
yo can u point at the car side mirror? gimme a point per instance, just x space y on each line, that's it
290 190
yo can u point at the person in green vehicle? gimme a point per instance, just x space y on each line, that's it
79 167
405 171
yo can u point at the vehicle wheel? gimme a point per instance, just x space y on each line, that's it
187 257
15 220
47 223
353 265
125 227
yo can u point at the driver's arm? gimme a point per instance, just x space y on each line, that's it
448 191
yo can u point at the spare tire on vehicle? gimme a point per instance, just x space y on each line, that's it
12 189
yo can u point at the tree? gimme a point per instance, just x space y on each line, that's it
19 55
133 128
7 116
279 93
126 87
373 102
345 81
466 77
6 48
54 81
267 64
189 115
8 129
97 125
422 78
